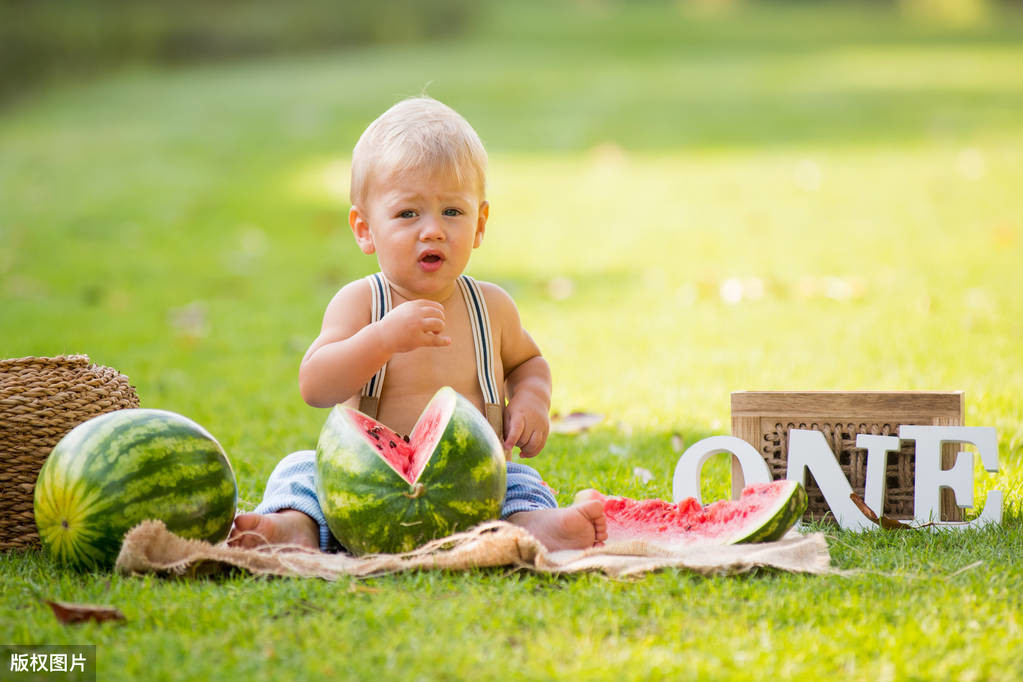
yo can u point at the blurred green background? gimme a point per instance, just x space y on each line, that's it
46 40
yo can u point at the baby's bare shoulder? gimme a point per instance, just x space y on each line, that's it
498 300
504 314
350 305
354 292
517 345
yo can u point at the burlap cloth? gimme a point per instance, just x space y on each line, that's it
151 548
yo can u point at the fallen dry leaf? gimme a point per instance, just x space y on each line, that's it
69 614
886 522
862 506
576 422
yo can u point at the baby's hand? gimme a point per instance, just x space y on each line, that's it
414 324
526 424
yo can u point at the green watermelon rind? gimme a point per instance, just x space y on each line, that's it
116 470
780 517
371 509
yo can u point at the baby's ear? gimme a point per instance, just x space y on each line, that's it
360 228
481 223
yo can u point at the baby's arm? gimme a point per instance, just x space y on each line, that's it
527 417
527 378
350 348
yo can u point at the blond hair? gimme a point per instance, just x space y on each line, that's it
418 132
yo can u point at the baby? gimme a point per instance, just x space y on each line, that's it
389 341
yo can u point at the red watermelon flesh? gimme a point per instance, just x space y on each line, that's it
407 457
765 511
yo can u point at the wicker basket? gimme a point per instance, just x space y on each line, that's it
41 399
764 418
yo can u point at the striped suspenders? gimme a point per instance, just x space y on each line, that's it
480 321
370 398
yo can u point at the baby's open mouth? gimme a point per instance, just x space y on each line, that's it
431 261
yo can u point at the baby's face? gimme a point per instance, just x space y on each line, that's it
423 228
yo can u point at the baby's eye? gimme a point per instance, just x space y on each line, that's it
407 213
452 212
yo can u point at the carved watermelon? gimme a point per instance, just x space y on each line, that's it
381 493
764 512
118 469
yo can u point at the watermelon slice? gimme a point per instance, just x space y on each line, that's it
381 492
764 512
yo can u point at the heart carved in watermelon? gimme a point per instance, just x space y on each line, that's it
383 494
116 470
764 512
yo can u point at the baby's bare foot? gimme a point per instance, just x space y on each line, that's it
286 527
586 495
577 527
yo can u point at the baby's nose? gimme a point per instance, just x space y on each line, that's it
430 230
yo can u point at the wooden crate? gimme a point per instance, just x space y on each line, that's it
763 419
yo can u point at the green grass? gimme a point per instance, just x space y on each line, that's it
856 175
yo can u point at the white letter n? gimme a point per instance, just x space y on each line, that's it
809 450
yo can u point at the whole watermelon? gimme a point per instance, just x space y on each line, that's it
382 493
113 471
